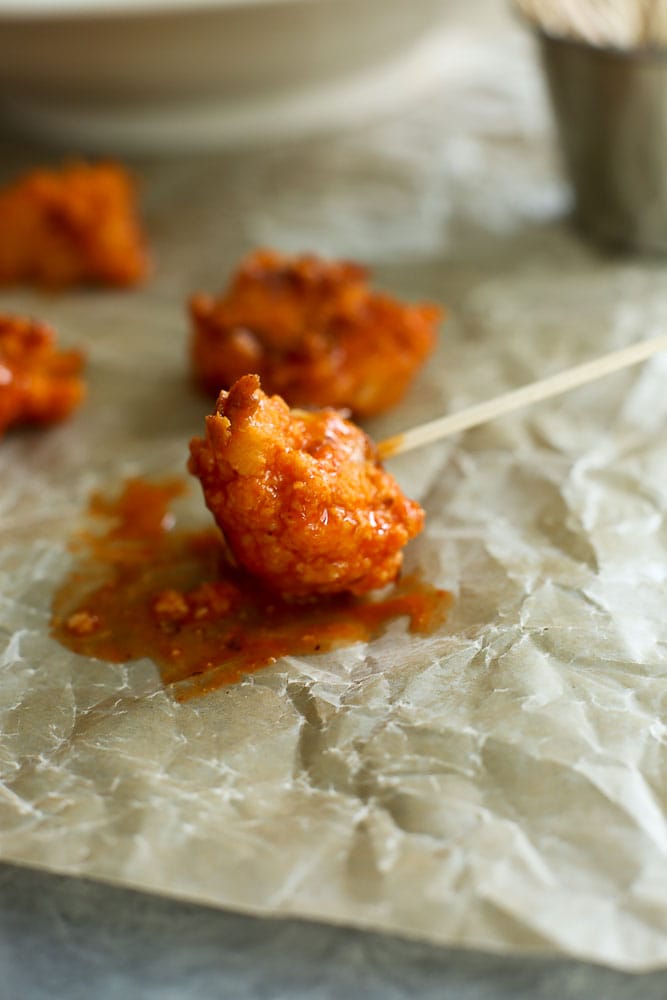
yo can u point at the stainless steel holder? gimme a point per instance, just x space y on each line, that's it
611 110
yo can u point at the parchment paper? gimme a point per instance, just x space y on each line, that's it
500 784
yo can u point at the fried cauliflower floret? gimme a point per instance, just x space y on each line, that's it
73 226
300 497
313 331
38 383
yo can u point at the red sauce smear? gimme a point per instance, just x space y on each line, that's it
147 588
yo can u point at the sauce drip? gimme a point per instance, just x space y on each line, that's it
145 587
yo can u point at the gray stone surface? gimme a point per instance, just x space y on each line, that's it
71 939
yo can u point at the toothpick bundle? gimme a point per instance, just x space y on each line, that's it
621 24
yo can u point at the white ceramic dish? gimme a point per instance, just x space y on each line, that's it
149 75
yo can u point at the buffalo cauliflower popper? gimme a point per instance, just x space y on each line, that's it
300 497
73 226
313 331
38 383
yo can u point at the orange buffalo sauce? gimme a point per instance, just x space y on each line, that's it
146 588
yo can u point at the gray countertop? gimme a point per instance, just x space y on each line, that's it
72 939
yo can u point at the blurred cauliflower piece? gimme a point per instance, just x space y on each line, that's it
38 383
73 226
314 332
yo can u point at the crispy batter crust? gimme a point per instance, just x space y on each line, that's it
38 383
300 497
314 332
73 226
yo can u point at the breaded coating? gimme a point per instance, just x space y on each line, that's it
38 383
314 332
300 497
74 226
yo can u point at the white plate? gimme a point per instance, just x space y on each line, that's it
153 75
101 8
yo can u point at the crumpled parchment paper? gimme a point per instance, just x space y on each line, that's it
500 784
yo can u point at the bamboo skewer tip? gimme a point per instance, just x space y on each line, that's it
534 392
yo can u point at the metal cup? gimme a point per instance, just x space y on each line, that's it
611 110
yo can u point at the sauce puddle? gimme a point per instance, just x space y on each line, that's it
145 587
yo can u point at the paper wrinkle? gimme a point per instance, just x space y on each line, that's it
498 784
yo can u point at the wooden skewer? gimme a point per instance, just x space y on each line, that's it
481 413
